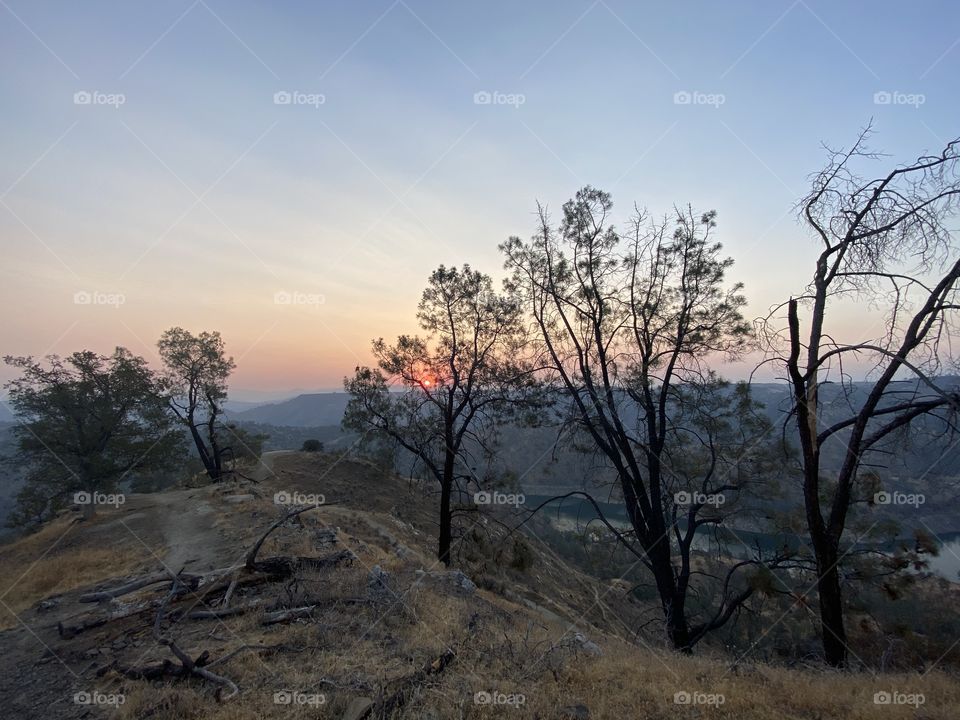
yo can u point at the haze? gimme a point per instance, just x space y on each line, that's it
182 163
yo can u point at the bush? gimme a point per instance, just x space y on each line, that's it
312 446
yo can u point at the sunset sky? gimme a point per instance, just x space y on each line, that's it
183 162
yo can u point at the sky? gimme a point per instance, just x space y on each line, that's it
289 173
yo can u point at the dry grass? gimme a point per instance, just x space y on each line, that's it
347 651
348 655
55 560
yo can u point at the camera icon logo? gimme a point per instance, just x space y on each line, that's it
482 498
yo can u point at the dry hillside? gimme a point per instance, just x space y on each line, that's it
343 613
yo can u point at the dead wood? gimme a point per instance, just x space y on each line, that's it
251 559
385 707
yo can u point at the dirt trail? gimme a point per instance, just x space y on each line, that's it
264 470
184 520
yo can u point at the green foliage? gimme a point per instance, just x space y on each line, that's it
239 444
196 368
312 445
86 422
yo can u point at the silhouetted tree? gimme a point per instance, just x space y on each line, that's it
886 242
629 322
454 385
196 368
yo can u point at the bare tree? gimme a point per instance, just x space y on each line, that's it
886 242
457 384
629 322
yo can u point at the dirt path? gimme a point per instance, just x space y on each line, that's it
184 522
264 470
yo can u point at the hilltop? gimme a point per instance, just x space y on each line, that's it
366 623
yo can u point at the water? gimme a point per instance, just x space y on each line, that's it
947 563
574 510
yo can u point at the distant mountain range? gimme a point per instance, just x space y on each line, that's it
307 410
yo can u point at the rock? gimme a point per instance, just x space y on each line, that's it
48 605
576 712
580 642
377 587
325 536
236 499
463 582
402 551
357 708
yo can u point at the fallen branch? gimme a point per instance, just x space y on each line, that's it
284 566
387 706
222 612
251 559
142 582
271 618
189 665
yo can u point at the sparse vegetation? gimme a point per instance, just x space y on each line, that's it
320 399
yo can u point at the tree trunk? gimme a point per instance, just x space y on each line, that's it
446 490
831 606
216 456
208 465
671 598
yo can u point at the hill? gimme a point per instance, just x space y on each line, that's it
346 615
307 410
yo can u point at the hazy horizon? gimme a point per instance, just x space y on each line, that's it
290 175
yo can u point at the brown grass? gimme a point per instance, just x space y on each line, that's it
626 682
362 650
54 560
